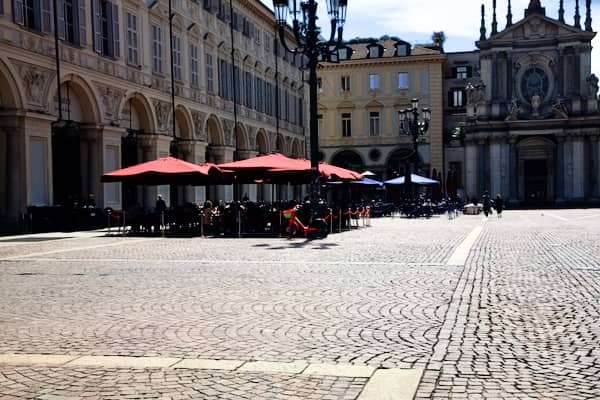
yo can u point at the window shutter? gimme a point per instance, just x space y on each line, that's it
18 12
82 39
97 25
60 10
46 16
115 31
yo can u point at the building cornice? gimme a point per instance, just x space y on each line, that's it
384 62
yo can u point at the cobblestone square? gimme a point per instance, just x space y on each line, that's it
487 309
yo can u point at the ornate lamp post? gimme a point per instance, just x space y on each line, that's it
410 125
308 43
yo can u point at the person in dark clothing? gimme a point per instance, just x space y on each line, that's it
160 206
499 205
487 203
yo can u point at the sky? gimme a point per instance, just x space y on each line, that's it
459 19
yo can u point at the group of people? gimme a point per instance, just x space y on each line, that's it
488 203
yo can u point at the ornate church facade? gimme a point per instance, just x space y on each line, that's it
532 124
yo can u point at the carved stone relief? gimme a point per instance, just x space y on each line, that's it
228 132
199 119
163 111
110 98
36 81
252 138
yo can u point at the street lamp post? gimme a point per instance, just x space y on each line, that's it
410 125
308 43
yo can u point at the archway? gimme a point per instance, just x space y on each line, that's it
397 162
280 144
214 135
136 118
75 146
262 142
349 159
11 170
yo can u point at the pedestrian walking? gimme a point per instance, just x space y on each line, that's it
499 205
487 203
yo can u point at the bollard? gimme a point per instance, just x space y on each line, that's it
108 215
280 222
340 220
239 224
202 225
162 223
123 222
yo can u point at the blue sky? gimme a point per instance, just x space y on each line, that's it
460 20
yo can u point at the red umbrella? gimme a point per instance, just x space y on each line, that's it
166 171
332 172
277 167
266 162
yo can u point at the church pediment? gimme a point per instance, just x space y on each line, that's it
534 27
345 105
374 104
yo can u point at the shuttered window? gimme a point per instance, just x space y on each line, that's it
106 28
157 49
33 14
176 48
132 39
194 65
71 21
209 73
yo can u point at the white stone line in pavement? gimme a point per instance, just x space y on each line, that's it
340 370
459 256
123 362
29 359
97 246
392 384
225 365
209 261
295 367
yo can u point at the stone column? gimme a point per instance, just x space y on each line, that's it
578 161
471 166
91 161
16 173
186 153
513 176
247 189
481 159
568 168
560 169
220 155
595 167
495 166
149 191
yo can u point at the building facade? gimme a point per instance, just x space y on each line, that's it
360 98
532 122
116 61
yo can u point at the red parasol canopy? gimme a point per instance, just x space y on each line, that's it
265 162
166 171
277 168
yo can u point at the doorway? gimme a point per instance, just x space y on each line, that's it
536 181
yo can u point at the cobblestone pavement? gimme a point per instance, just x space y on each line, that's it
521 318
